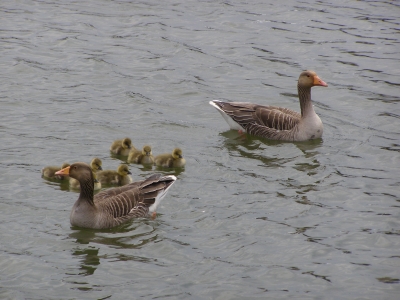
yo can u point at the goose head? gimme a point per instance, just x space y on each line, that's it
123 170
310 79
80 171
177 153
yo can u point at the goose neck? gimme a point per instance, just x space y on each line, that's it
87 188
306 106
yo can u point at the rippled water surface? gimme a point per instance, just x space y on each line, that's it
247 218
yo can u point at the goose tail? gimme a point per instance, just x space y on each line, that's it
164 183
219 105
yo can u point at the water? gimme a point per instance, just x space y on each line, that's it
247 218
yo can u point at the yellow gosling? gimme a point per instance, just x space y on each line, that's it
119 177
171 160
121 147
144 157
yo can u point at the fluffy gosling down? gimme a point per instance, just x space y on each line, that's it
144 157
121 147
170 160
118 205
95 165
119 177
49 172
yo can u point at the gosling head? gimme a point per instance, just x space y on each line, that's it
123 170
177 153
147 150
96 164
126 143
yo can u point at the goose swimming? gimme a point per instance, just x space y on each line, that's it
277 123
114 206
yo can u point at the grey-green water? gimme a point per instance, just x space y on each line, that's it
247 218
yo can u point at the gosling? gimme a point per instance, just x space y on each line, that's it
144 157
171 160
119 177
121 147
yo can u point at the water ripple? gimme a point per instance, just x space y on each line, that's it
247 217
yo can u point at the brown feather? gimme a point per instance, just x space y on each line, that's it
274 122
114 206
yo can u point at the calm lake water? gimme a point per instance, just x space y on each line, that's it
247 218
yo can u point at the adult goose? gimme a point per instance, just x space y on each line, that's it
114 206
144 157
277 123
121 147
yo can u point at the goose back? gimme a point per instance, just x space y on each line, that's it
270 116
133 200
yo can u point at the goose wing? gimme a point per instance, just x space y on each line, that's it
134 199
272 117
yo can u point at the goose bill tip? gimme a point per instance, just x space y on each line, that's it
319 81
64 171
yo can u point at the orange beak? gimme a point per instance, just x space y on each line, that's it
64 171
319 81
